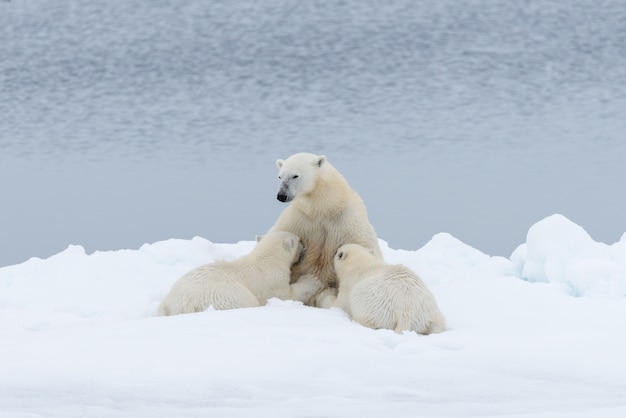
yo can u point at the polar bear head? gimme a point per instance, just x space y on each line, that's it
352 258
281 241
298 175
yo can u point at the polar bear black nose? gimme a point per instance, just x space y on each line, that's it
282 197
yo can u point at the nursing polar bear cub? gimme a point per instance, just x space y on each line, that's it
381 295
324 211
246 282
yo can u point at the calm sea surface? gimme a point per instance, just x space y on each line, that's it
126 122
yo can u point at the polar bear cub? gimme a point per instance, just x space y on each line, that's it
246 282
381 295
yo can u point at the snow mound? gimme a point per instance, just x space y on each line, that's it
123 284
559 251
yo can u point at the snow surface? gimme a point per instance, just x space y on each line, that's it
541 334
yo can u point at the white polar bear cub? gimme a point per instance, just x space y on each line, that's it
325 212
381 295
246 282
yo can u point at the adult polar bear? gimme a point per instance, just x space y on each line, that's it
324 211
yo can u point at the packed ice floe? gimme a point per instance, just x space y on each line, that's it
540 334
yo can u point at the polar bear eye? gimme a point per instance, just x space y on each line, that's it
295 176
340 255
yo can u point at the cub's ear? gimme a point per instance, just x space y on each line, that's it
259 237
279 163
289 243
321 159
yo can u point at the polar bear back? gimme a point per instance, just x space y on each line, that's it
381 295
248 281
395 299
208 285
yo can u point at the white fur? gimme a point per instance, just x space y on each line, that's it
325 212
246 282
381 295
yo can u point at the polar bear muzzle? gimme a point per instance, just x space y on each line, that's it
283 197
283 194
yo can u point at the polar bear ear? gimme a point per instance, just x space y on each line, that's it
289 243
321 159
279 163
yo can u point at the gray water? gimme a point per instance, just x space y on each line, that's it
124 122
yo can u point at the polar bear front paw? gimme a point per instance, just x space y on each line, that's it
305 287
326 298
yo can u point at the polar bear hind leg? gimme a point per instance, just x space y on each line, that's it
197 299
